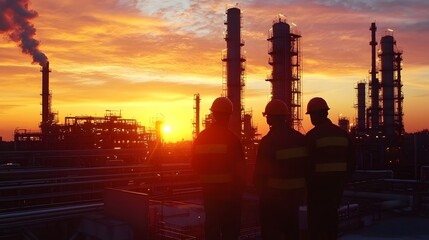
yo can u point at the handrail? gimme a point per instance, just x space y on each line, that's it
21 218
84 185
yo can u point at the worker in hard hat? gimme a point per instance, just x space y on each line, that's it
218 159
279 175
332 162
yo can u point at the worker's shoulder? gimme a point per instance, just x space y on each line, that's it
327 129
217 134
266 140
296 133
311 133
338 130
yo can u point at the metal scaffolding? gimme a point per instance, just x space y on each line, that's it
286 61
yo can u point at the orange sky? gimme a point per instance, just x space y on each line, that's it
148 58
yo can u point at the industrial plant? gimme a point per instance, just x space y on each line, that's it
380 127
72 180
80 132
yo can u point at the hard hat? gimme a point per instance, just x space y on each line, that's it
316 104
222 104
276 107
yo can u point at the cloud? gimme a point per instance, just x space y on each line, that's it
146 52
4 108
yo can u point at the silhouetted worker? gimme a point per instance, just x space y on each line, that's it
279 177
332 162
218 158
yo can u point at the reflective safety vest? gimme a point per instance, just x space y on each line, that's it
217 155
287 156
282 161
218 162
213 149
331 167
332 142
286 184
290 153
213 154
334 159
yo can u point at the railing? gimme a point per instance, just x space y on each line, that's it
33 188
15 219
47 195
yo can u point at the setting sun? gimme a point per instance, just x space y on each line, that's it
141 72
167 129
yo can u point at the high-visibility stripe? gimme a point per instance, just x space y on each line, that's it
216 178
331 167
286 184
211 149
289 153
332 142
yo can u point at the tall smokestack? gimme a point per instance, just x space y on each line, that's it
375 85
400 97
197 100
46 100
361 107
234 67
15 22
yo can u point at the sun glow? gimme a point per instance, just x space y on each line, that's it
166 129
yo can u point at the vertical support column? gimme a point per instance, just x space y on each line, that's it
280 60
197 115
47 119
234 67
387 83
361 107
375 85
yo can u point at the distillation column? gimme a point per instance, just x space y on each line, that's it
361 106
387 85
197 115
280 61
399 95
234 67
374 84
285 60
46 101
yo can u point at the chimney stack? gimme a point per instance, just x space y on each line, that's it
46 100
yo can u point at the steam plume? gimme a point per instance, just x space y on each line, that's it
15 22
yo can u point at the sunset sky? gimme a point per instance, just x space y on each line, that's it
147 58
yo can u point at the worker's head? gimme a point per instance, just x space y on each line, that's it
276 112
221 109
318 110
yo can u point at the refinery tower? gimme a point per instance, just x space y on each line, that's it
380 126
233 77
285 59
233 81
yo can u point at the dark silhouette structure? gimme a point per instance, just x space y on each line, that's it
380 129
285 59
